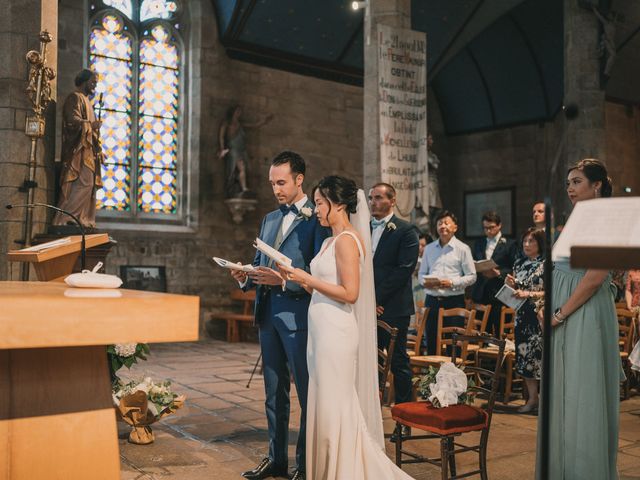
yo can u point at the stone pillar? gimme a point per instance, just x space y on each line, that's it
396 13
20 24
585 135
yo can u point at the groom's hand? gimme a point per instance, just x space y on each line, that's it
239 275
266 276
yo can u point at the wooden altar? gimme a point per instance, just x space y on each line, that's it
57 419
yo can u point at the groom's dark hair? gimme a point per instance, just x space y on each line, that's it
295 161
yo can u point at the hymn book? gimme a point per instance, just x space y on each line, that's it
233 266
507 295
272 253
484 265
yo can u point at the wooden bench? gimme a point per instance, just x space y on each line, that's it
233 319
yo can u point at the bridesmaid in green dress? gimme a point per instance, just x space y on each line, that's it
585 370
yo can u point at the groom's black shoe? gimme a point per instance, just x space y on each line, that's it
405 432
266 469
297 475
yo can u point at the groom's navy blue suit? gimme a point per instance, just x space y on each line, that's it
282 320
393 264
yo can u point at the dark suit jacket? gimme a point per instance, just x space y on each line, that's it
393 264
504 255
301 243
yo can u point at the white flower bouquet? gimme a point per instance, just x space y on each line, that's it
141 403
125 355
445 386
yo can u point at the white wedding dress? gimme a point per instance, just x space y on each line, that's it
340 445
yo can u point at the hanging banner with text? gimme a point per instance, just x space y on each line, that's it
402 107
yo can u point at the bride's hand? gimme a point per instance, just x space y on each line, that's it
296 275
266 276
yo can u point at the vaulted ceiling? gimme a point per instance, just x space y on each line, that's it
491 63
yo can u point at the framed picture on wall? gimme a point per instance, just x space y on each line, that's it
500 200
139 277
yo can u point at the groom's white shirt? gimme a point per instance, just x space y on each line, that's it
288 219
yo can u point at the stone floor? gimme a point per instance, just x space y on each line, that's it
222 429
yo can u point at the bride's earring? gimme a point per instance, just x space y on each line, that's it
597 193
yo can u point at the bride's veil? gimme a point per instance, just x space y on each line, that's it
365 312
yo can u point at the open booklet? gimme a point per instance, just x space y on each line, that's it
48 245
272 253
507 296
233 266
601 222
485 265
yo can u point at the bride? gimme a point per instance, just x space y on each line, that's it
344 422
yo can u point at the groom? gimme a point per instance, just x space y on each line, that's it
281 315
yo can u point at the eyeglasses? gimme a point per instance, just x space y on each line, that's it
490 227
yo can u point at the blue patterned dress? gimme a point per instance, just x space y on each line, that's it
528 336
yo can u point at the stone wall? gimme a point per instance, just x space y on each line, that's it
321 120
623 147
19 34
523 156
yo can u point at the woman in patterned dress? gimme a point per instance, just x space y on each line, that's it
527 280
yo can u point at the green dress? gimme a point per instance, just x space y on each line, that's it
585 388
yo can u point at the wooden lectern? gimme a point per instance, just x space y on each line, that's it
57 420
606 258
56 259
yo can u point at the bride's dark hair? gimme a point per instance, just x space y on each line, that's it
339 190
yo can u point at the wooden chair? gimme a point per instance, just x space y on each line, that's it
235 320
507 327
446 424
480 323
626 325
414 342
444 339
385 356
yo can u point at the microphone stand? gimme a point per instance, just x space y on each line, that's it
545 386
83 249
570 112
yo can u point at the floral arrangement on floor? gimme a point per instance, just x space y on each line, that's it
139 403
445 386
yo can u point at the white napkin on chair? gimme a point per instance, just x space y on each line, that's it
451 382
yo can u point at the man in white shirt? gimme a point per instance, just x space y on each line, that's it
448 267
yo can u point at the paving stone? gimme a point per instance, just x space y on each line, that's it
211 403
234 398
220 431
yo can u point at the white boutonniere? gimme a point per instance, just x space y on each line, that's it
305 213
391 226
502 240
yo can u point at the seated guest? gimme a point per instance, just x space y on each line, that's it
503 252
527 281
447 264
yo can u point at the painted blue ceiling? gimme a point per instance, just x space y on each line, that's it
492 63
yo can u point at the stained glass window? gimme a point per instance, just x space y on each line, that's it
137 57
